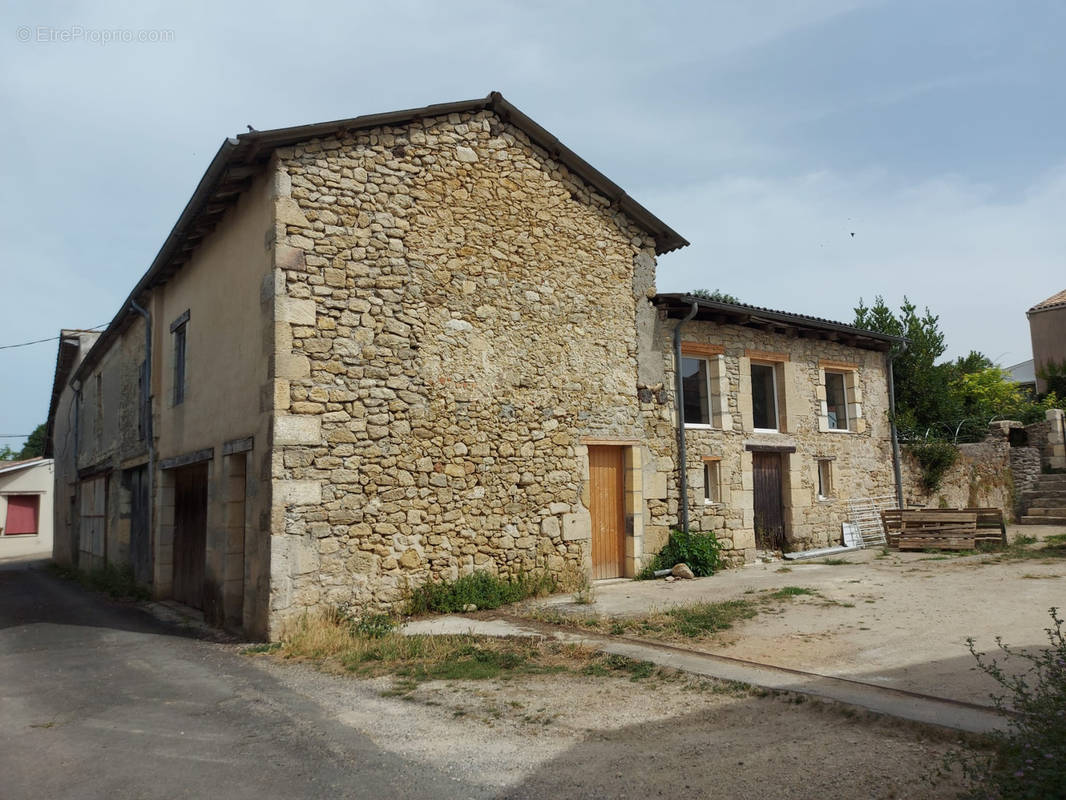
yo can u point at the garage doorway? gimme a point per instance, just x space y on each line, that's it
136 483
190 534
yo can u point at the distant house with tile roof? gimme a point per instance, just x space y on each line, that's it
25 507
1047 330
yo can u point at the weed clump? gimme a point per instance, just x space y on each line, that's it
1029 758
701 551
480 589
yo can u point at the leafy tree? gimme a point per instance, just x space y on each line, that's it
716 295
952 399
7 454
34 446
974 362
1054 375
923 393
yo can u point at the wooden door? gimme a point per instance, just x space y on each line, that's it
92 528
140 546
607 495
190 534
769 509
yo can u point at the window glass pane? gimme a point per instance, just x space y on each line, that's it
179 365
711 490
836 401
763 401
825 479
694 385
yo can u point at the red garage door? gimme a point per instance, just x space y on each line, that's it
22 512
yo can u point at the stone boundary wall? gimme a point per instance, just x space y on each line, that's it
1025 467
985 475
1049 437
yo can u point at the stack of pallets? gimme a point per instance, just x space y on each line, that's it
943 528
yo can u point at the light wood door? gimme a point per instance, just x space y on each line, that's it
607 493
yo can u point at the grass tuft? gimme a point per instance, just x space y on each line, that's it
480 589
786 592
335 643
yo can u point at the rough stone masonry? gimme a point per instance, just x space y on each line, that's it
455 315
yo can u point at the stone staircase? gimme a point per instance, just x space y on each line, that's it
1045 504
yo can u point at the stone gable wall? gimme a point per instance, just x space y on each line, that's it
455 314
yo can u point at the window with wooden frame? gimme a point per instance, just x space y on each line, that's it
764 399
836 401
180 328
696 386
142 400
840 397
712 481
703 386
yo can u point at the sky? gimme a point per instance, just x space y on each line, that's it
812 153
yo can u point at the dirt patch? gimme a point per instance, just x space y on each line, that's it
613 736
894 619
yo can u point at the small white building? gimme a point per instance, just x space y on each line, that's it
26 507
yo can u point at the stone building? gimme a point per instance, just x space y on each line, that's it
403 347
786 417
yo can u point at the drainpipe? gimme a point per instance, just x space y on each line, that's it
896 468
75 541
148 434
679 393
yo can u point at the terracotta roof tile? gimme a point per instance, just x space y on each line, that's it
1054 301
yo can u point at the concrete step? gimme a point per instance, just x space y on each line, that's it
1052 481
1037 520
1044 494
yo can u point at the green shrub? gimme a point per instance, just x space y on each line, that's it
481 589
1029 760
935 458
700 551
373 626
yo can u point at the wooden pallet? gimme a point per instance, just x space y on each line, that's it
989 526
938 529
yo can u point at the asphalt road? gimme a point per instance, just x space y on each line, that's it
100 700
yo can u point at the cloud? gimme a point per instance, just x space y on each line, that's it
978 260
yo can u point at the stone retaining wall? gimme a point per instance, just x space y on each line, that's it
981 476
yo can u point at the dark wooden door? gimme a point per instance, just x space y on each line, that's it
769 510
140 546
606 494
190 534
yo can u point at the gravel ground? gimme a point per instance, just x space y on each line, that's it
575 736
900 621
